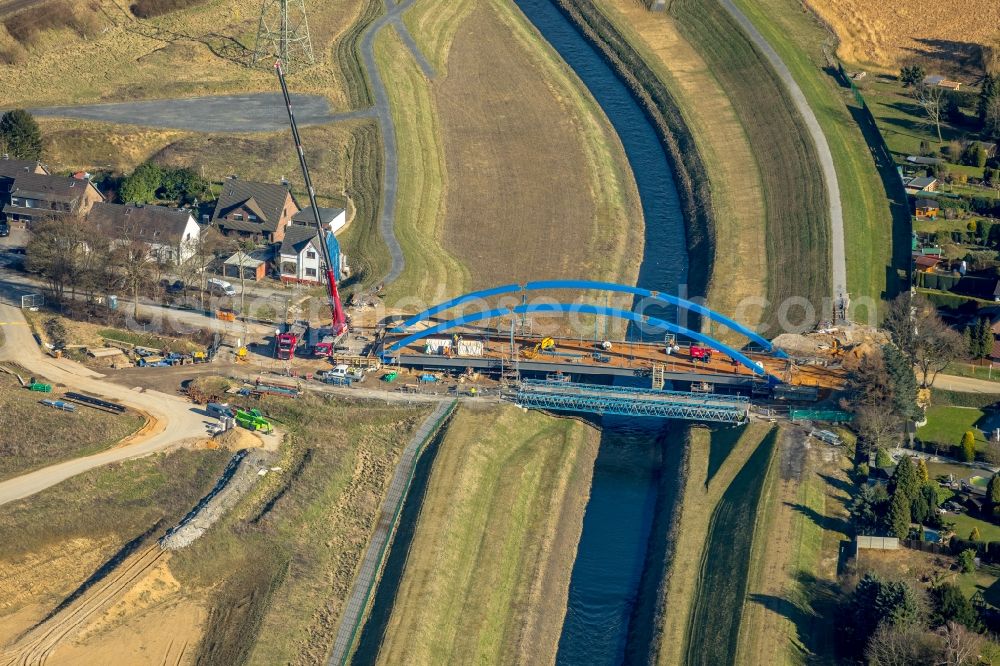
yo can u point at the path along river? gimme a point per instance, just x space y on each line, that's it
602 624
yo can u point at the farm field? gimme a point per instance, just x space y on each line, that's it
794 195
714 623
54 435
793 570
739 268
487 575
52 542
876 212
715 461
458 148
942 36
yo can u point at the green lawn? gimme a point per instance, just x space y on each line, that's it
965 523
876 213
942 470
946 425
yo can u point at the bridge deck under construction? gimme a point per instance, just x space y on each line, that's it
632 359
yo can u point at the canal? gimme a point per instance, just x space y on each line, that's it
614 549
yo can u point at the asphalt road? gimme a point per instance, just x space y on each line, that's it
174 420
838 256
259 112
966 384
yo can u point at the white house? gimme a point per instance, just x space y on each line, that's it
171 233
299 256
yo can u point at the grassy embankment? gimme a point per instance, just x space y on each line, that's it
792 584
798 226
500 96
716 489
52 541
488 571
33 435
876 212
277 569
740 271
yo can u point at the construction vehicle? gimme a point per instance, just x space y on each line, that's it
339 325
253 420
200 356
286 342
546 344
703 354
324 348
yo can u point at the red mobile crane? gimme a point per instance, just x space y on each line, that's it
340 327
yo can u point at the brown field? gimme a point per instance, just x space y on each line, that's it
945 36
106 54
532 165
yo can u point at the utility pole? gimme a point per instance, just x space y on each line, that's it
283 32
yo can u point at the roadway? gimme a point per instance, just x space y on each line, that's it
173 421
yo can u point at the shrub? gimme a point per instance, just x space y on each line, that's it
968 446
26 26
966 560
150 8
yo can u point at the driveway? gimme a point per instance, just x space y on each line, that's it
173 420
259 112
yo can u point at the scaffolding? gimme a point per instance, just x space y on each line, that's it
624 401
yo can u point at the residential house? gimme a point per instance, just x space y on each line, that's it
926 262
11 168
920 184
333 219
252 264
28 196
257 211
299 258
926 209
941 82
171 233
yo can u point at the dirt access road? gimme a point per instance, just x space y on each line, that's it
172 420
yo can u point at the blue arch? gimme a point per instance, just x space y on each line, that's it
584 309
597 286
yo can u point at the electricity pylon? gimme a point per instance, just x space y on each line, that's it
283 33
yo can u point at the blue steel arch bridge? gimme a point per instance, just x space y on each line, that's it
573 374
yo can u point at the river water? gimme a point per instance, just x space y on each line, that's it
608 572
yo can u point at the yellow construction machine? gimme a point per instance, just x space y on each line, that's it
545 345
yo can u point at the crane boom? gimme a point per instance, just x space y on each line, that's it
336 309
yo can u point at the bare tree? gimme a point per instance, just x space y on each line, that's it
935 346
134 262
195 269
961 647
57 250
931 100
903 645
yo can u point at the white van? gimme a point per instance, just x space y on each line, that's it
220 287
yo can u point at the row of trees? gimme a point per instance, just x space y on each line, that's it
911 497
891 623
77 258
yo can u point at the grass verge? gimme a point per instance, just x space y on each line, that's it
714 627
795 202
876 212
706 481
487 576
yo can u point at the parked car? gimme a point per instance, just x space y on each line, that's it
220 410
4 229
221 287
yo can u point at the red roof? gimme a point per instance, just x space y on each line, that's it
927 261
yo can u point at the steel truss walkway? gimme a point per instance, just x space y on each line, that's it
596 399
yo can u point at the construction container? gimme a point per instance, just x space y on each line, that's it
436 345
470 348
40 387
